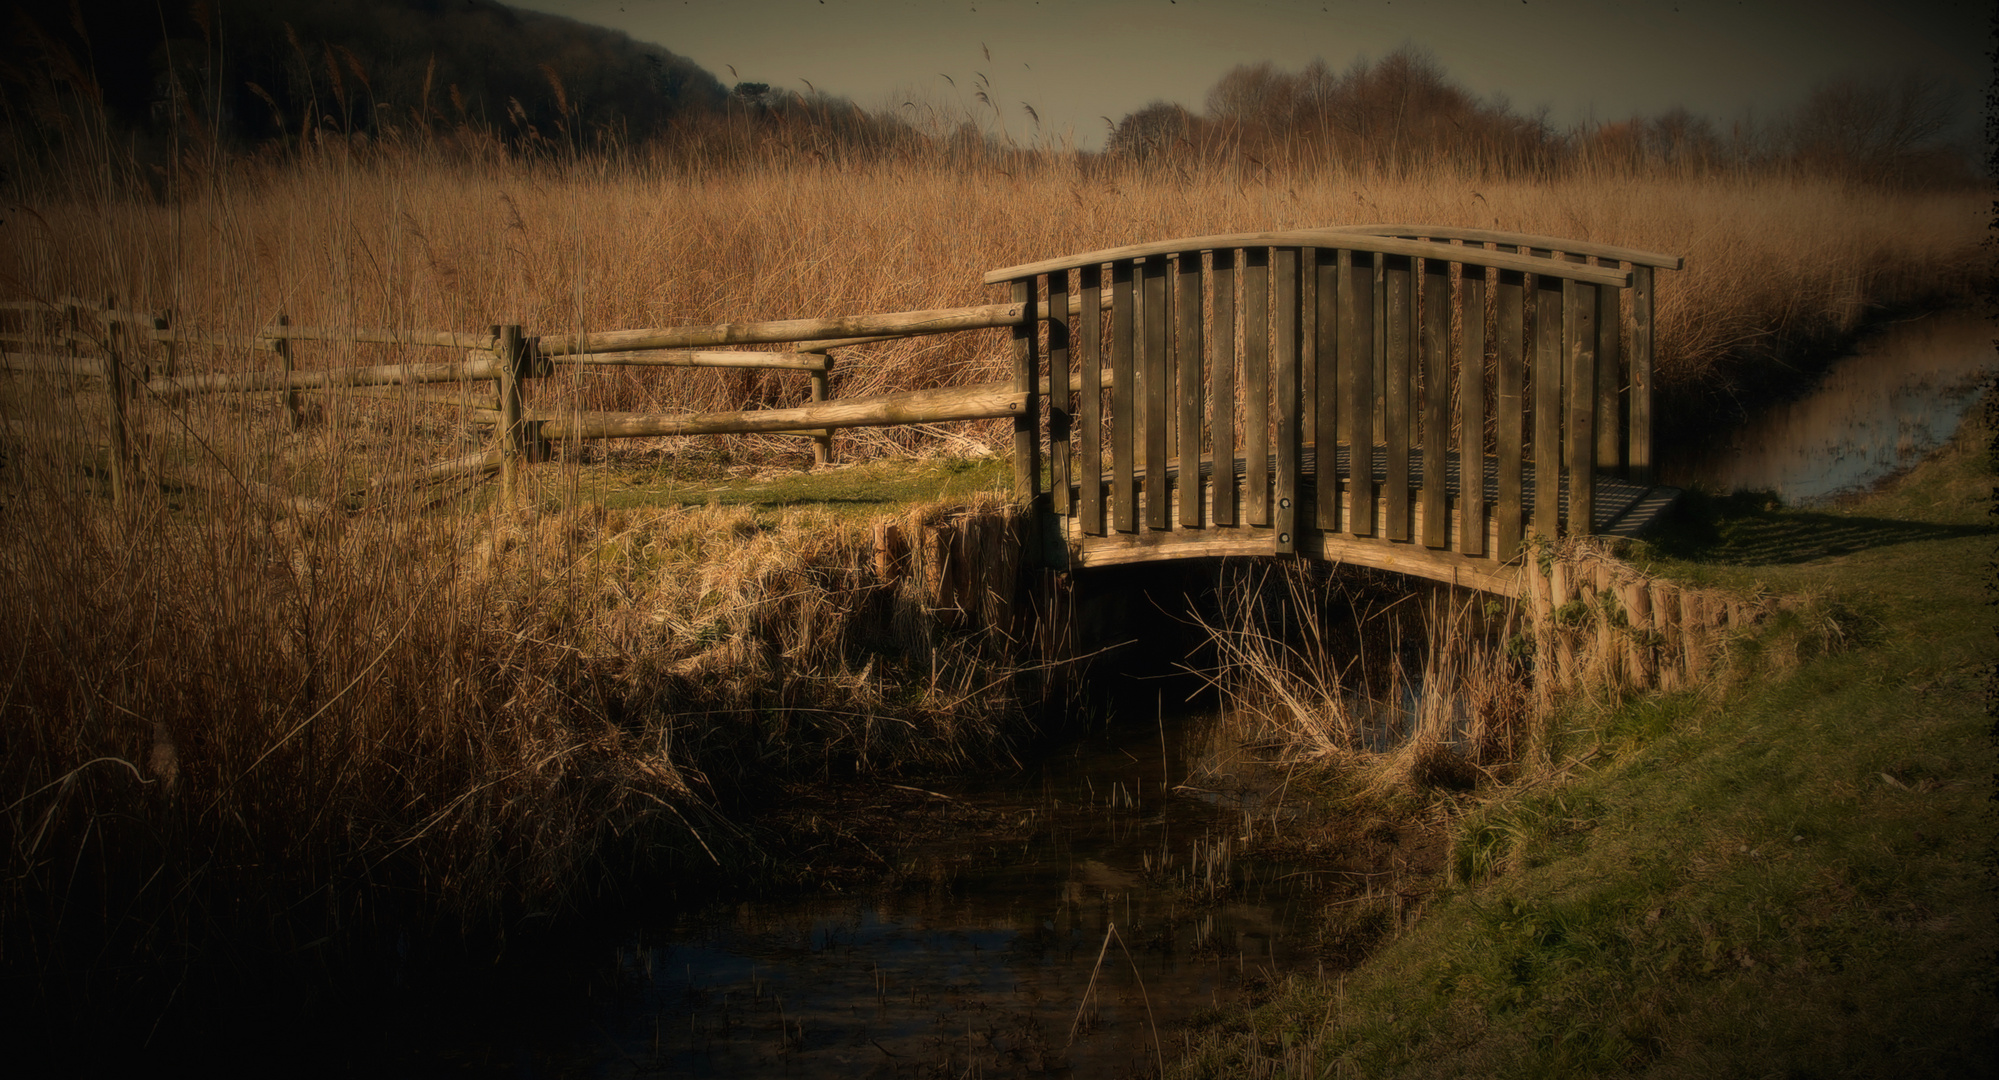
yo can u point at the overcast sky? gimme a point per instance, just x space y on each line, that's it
1077 61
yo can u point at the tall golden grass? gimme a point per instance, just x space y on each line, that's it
225 728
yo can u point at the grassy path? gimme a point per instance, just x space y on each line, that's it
1787 873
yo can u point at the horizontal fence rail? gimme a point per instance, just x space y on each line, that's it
1429 399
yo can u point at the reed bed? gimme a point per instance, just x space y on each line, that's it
229 734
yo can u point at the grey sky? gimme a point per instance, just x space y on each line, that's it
1076 61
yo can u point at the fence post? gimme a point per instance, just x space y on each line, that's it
1027 426
822 444
284 348
114 381
510 433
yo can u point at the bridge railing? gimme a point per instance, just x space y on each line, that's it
1456 390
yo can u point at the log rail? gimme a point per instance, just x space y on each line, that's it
1426 399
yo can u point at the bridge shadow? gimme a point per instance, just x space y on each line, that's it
1753 528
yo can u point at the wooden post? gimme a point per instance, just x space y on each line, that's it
822 444
1222 411
1155 322
1559 597
163 324
1673 649
1540 598
1285 304
1471 411
1325 398
1638 610
1256 385
1090 468
1694 635
1640 452
1435 337
1059 409
1509 414
1547 406
1357 359
1579 460
510 433
1189 379
115 385
1125 400
1401 331
1026 372
1604 657
294 416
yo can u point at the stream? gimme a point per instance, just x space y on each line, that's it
1118 904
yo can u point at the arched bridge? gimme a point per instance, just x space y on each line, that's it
1413 398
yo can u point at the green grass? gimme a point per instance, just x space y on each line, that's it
1785 874
864 491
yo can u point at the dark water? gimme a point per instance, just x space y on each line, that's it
1876 412
985 972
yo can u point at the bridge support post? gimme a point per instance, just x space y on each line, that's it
1026 380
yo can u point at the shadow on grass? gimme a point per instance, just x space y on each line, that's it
1752 528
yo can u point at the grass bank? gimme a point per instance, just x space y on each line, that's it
1781 873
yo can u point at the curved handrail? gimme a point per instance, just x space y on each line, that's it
1335 238
1529 240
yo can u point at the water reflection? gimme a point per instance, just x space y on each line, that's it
1127 912
1876 412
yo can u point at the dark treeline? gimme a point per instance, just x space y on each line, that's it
1404 113
184 82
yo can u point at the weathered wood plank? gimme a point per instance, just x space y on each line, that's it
380 375
1059 318
1436 341
702 358
1402 330
1256 385
1155 314
1639 453
899 324
1190 381
1610 387
1125 405
1357 356
1091 446
1285 305
1331 238
1548 363
1471 410
1026 383
1579 329
1222 415
284 331
1523 240
1510 386
1326 385
980 401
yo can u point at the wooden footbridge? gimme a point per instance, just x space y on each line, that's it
1413 398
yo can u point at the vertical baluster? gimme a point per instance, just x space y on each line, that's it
1222 411
1058 391
1547 448
1026 380
1187 372
1285 303
1640 454
1357 359
1471 410
1124 402
1256 383
1579 332
1436 334
1510 316
1610 420
1155 314
1091 468
1326 388
1401 329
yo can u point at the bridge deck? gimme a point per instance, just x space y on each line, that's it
1622 508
